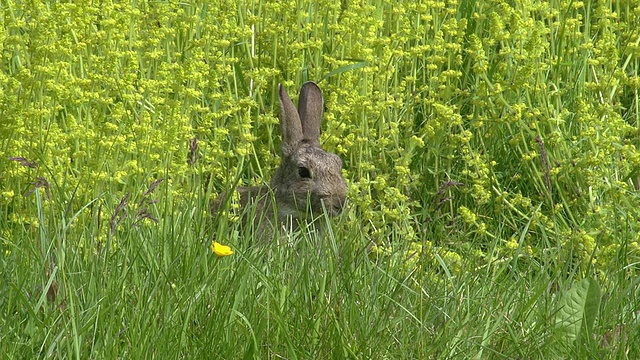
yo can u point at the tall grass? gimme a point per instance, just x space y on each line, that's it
490 149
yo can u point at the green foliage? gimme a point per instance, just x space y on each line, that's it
578 309
490 147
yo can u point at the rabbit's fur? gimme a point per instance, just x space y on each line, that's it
308 181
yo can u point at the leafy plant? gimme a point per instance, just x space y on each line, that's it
578 310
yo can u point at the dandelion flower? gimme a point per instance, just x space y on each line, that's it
221 250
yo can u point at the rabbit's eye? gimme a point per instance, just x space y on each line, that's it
304 172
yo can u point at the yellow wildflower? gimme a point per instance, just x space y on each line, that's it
221 250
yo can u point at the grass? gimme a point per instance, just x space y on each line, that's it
490 149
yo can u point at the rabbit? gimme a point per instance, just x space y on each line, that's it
308 182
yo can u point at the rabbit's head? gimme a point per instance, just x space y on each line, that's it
309 179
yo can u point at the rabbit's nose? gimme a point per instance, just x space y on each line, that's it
333 204
337 204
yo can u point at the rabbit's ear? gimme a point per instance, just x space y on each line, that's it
289 123
310 107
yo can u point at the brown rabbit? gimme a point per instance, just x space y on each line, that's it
308 181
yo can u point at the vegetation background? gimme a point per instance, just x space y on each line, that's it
490 147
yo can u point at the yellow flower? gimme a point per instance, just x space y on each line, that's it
221 250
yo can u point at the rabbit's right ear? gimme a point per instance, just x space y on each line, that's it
290 125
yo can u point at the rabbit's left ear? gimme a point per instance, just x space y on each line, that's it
310 108
289 123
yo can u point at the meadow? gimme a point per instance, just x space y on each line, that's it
490 147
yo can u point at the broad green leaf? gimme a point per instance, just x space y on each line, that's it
579 308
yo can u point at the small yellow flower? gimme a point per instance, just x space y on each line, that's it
221 250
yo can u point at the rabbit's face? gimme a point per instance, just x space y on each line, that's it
310 182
